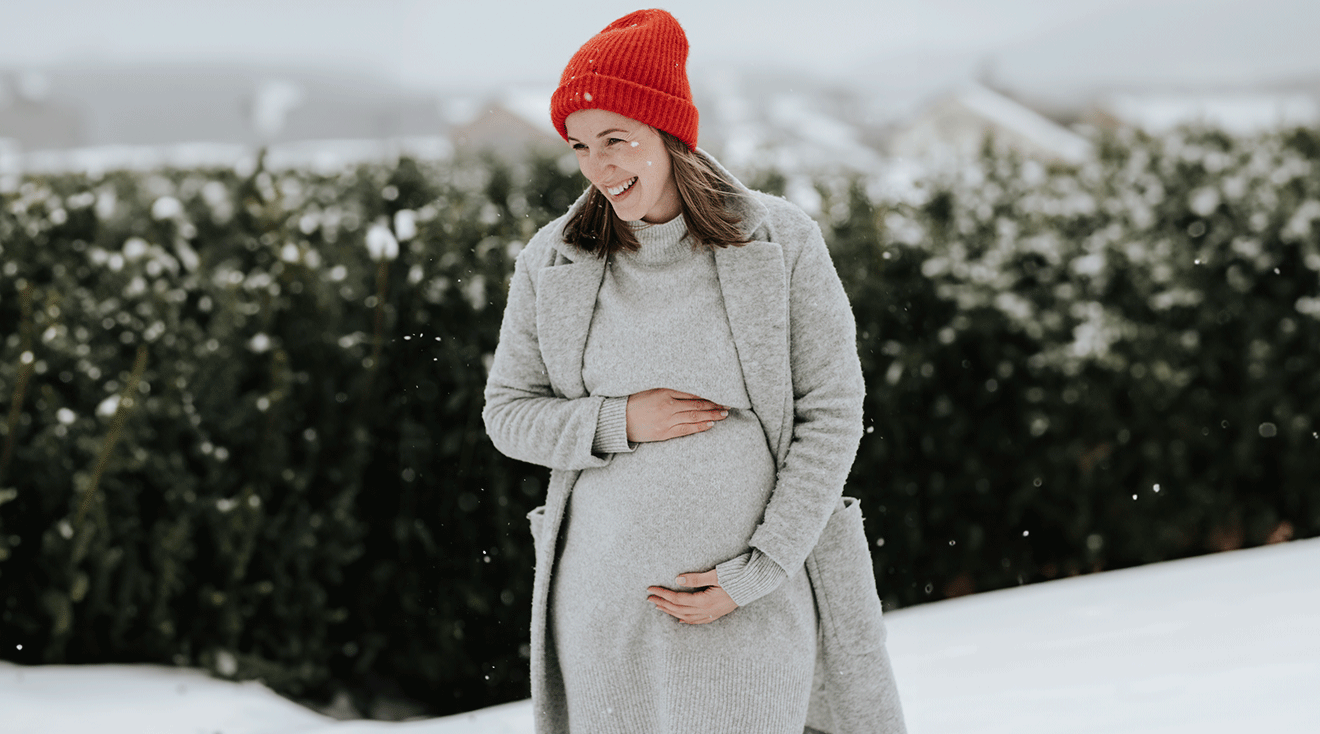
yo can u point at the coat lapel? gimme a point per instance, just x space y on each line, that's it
755 289
565 301
754 282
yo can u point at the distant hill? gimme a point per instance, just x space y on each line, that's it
149 105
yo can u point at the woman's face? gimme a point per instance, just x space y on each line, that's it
627 162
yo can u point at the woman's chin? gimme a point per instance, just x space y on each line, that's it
627 214
625 209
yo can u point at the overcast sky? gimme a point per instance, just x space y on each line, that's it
476 43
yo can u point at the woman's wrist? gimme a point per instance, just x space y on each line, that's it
612 428
750 576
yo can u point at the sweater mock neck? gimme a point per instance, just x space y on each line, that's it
662 244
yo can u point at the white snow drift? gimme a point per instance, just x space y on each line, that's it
1222 643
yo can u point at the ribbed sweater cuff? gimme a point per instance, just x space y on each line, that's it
750 577
612 427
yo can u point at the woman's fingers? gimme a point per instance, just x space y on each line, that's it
700 410
693 607
676 395
672 599
696 415
690 613
698 422
693 402
695 614
660 414
698 405
687 429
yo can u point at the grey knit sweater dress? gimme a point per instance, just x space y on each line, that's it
657 510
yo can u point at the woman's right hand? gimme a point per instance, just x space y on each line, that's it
662 414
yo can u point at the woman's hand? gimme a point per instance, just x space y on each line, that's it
694 607
662 414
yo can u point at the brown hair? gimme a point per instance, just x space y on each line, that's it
703 191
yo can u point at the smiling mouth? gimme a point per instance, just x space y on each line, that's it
616 190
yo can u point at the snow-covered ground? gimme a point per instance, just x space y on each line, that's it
1221 643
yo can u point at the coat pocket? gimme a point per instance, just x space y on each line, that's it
843 582
536 518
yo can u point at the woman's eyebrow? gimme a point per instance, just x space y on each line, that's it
602 134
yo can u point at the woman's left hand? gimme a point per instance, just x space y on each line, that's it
707 604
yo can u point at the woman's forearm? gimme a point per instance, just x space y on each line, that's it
524 416
828 392
545 430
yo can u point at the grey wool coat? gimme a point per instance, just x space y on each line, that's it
796 343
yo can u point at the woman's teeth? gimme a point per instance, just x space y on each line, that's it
616 190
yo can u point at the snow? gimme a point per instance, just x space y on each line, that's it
1239 113
381 244
320 156
1222 643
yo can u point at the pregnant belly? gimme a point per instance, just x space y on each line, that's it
668 507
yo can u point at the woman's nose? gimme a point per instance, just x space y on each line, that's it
593 165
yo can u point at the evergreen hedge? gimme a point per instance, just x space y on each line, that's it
242 424
1077 369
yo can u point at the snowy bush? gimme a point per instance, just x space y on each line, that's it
1074 369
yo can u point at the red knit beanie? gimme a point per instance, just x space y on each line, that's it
636 67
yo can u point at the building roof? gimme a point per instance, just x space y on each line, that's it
514 121
956 125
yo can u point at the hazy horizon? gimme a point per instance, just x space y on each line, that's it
465 46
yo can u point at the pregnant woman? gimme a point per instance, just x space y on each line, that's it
679 351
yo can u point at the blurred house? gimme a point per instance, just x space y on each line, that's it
956 125
1239 113
508 125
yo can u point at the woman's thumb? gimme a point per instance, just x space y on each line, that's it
696 580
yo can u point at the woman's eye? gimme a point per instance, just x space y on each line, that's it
612 141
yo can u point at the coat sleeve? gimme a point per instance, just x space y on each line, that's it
524 417
828 394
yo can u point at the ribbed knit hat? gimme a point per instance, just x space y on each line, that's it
636 67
